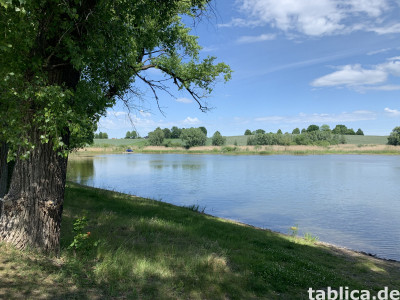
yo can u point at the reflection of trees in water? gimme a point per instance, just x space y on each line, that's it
185 166
80 170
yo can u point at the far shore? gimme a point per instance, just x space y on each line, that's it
249 150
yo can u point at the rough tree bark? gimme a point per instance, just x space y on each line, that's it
31 211
3 169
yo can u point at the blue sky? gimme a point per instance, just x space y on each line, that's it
295 63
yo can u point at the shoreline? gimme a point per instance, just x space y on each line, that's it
146 249
249 150
334 247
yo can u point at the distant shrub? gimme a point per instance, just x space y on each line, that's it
217 139
296 131
202 128
229 149
156 137
193 137
247 132
394 137
314 137
172 144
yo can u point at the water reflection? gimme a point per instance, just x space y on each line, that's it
161 164
81 169
348 200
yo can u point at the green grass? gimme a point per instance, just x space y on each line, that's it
118 142
366 139
153 250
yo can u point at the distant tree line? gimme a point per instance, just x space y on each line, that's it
319 138
101 135
191 137
339 129
131 134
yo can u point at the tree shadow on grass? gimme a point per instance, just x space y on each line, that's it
154 250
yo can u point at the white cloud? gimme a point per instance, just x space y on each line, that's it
320 118
254 39
379 51
191 121
394 28
239 22
355 76
116 113
209 49
144 113
388 87
315 17
392 112
351 75
184 100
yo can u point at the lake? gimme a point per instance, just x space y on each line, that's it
348 200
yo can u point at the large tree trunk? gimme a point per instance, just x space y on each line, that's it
31 211
3 169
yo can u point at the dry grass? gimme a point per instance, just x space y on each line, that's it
275 149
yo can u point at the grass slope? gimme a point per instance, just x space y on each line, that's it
153 250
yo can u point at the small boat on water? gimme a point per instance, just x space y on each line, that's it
129 150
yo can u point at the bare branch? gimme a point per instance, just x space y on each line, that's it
152 86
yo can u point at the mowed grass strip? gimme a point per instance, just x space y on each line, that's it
153 250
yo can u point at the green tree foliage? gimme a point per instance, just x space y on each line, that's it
131 134
325 127
156 137
247 132
340 129
279 131
320 138
175 132
303 130
202 128
101 135
218 139
62 64
193 137
296 131
394 137
359 132
167 133
312 128
350 131
259 131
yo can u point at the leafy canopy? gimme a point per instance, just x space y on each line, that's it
63 63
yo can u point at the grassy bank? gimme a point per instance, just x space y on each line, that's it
252 150
153 250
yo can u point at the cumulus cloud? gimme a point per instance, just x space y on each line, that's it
392 112
320 118
184 100
356 76
351 75
316 18
191 121
254 39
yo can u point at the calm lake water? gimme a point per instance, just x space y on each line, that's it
348 200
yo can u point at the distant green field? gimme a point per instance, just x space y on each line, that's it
240 140
366 139
118 142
